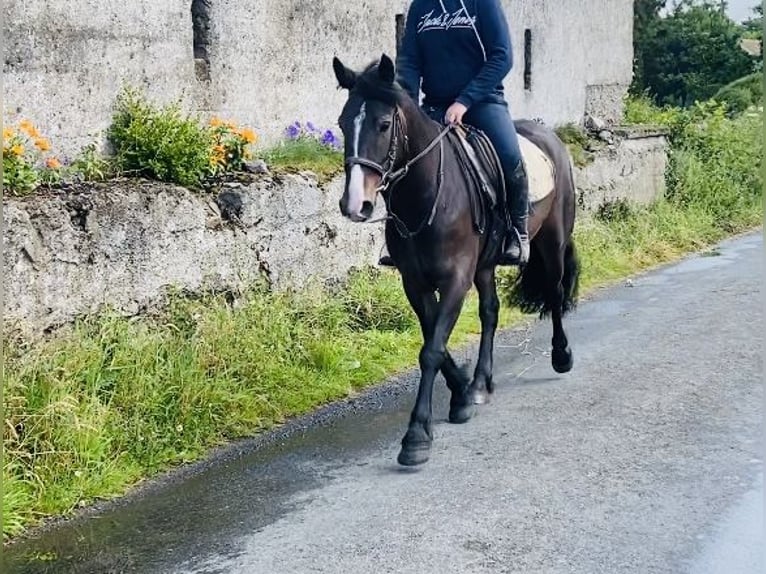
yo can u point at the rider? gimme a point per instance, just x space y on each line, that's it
461 49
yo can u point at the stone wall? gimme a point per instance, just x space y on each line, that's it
123 244
266 63
631 168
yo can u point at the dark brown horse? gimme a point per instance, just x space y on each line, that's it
394 149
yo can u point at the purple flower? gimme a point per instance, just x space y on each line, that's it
330 140
312 128
293 131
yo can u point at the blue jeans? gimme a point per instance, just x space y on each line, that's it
495 121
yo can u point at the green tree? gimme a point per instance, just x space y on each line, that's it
688 54
646 14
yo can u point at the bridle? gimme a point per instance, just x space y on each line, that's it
389 176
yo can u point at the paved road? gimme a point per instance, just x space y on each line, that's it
645 459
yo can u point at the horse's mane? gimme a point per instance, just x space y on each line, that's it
369 85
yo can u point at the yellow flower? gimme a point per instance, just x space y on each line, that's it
52 163
42 144
29 128
219 149
215 122
17 149
248 135
230 125
8 133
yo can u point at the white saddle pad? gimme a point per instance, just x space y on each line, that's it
540 170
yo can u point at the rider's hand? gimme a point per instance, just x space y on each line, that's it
455 113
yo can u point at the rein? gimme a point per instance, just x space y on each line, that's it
389 177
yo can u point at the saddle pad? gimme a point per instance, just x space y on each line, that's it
540 170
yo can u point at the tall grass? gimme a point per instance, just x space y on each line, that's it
89 413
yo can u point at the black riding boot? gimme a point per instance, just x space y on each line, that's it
516 246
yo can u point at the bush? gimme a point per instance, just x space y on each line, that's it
742 94
159 142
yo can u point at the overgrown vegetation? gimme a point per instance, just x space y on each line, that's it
89 413
742 94
578 143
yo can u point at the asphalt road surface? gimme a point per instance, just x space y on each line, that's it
646 458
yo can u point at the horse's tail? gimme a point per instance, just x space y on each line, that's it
529 292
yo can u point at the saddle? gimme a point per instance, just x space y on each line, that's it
482 168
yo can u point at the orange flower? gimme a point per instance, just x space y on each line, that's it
8 133
248 135
29 128
215 122
42 144
52 163
219 149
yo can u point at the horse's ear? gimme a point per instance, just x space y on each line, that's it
346 78
386 69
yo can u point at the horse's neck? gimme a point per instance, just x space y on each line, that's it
421 132
412 199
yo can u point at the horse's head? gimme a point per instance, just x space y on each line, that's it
371 123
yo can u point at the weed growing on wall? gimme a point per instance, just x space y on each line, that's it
159 142
306 147
27 159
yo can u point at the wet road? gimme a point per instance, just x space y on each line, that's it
645 459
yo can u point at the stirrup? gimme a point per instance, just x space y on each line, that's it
516 251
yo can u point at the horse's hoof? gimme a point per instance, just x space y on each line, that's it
562 360
415 454
460 414
480 397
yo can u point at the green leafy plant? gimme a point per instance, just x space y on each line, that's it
90 165
159 142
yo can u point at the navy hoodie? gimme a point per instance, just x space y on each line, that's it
441 47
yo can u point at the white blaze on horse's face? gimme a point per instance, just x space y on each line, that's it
356 177
362 183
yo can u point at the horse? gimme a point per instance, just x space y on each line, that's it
394 150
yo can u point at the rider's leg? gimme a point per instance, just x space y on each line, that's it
495 121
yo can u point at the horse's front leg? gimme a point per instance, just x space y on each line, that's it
489 306
424 303
416 444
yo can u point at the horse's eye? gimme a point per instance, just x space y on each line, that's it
385 125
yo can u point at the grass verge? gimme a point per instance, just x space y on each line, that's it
89 413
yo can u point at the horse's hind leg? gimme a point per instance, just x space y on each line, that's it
561 355
489 306
416 444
